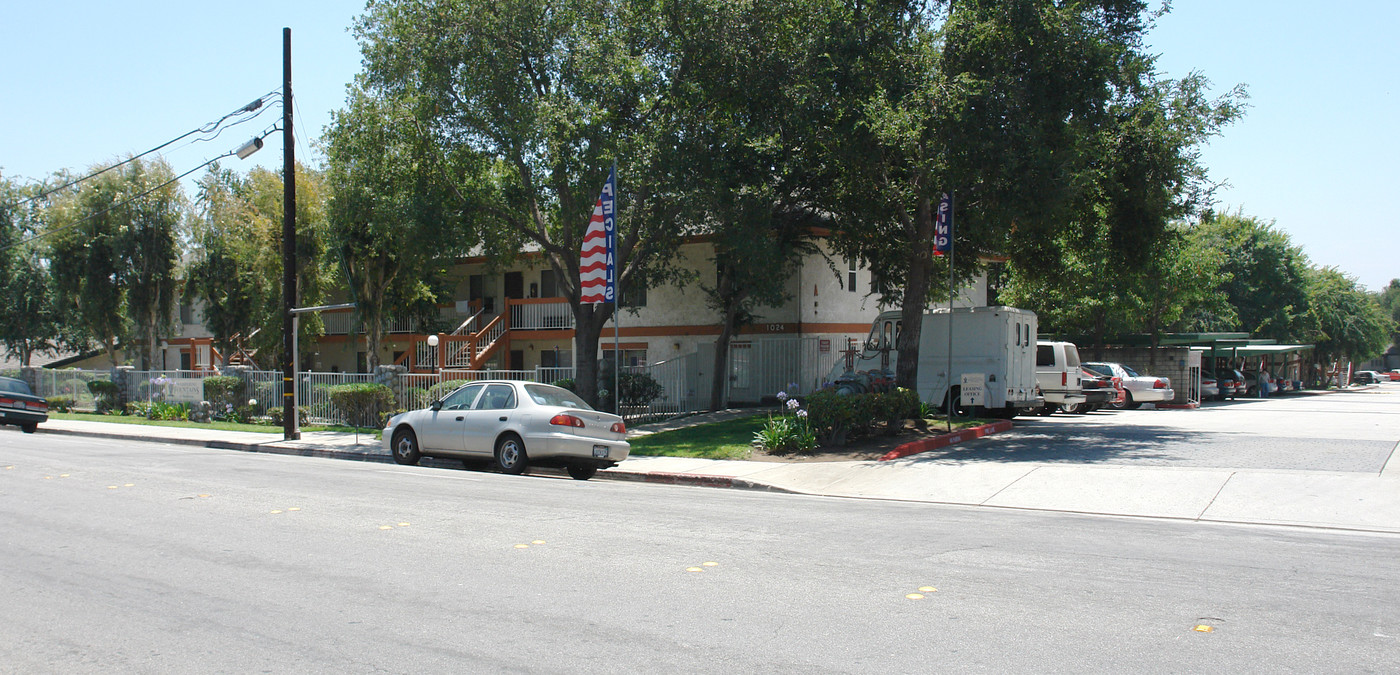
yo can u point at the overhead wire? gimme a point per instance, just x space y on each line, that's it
131 199
251 107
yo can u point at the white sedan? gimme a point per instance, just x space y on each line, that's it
1140 389
516 424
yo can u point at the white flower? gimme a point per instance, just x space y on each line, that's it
792 404
802 413
782 396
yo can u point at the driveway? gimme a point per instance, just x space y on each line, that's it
1347 431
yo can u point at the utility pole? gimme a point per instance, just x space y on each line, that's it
290 430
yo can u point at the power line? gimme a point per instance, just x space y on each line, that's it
123 203
204 129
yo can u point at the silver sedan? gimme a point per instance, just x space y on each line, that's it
515 423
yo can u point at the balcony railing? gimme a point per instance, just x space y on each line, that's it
541 314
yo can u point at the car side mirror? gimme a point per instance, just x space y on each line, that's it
437 405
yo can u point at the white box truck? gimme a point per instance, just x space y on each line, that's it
993 346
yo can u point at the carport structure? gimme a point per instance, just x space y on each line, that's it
1218 351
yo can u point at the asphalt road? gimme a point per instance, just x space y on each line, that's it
123 557
1350 431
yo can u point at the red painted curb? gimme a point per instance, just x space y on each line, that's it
924 445
1176 406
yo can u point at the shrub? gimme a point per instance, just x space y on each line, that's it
442 389
362 403
566 383
225 392
105 395
274 415
638 389
788 433
61 404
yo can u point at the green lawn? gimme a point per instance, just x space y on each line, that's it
222 426
730 439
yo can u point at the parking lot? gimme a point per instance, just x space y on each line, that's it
1354 430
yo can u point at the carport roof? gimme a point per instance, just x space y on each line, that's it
1254 349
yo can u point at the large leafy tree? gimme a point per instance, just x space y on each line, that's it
1389 300
392 214
224 273
113 255
530 102
1267 284
29 322
745 123
1343 320
996 101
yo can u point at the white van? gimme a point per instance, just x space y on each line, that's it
1058 372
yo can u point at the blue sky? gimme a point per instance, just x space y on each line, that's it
88 82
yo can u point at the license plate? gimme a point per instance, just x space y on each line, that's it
600 451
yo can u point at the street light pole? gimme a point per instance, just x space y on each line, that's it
290 431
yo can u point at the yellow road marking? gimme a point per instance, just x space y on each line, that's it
294 508
386 527
129 485
915 596
522 546
63 475
111 487
1204 629
710 564
403 524
204 496
694 569
927 589
275 511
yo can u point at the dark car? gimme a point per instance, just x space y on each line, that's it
1099 391
20 407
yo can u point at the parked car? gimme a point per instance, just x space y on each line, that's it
1139 389
1229 382
1058 374
1099 391
1366 377
1394 375
1210 387
518 424
20 407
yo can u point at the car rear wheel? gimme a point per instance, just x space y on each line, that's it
1075 408
405 445
582 471
1129 403
510 455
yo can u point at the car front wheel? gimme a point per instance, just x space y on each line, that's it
510 455
405 445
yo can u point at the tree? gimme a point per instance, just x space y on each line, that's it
743 126
113 255
997 103
1345 322
1267 283
1389 300
224 272
392 227
528 104
30 322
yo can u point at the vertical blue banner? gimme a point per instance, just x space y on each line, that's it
943 226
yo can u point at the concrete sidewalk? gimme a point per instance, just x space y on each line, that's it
1335 500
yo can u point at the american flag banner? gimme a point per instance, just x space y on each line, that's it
597 261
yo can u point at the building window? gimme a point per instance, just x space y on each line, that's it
634 297
740 356
186 313
851 275
549 287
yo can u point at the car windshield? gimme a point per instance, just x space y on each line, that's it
1130 372
1100 369
13 386
545 394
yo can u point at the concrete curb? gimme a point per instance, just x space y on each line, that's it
924 445
695 480
229 445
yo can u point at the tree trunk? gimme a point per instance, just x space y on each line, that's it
719 398
588 322
915 296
